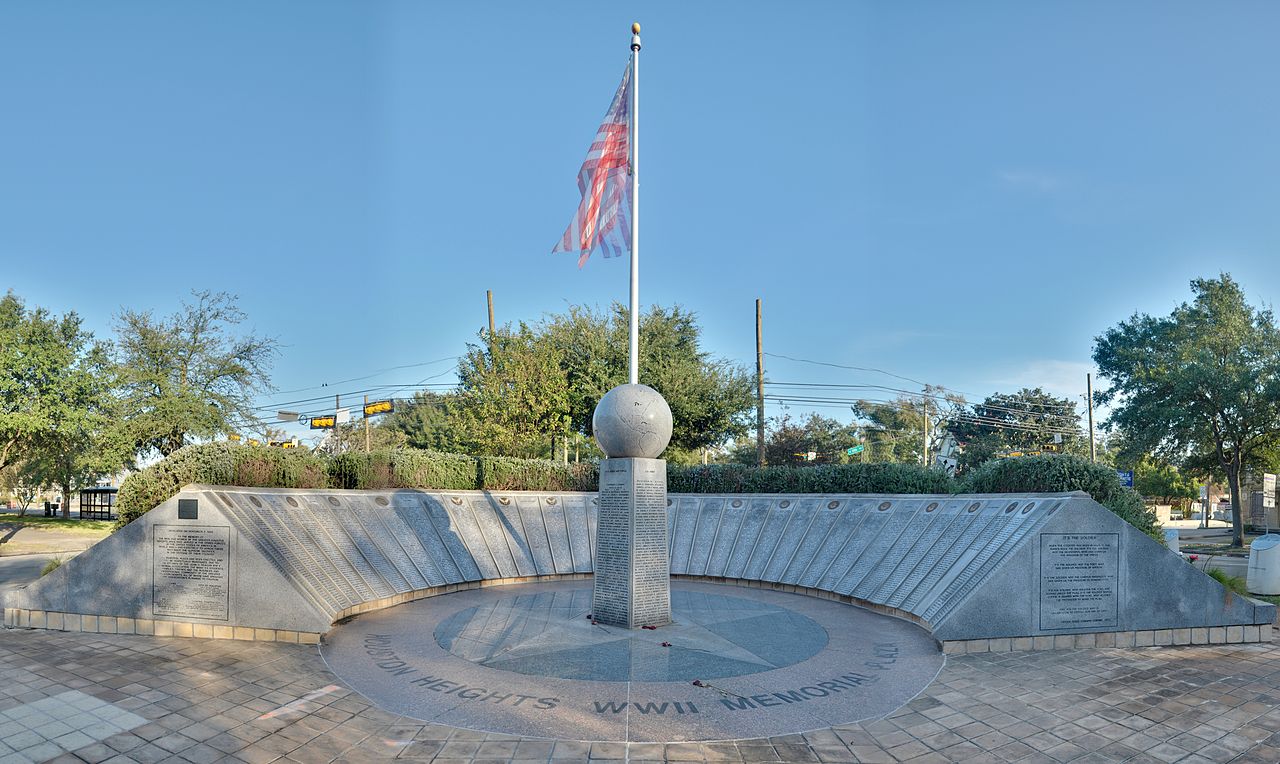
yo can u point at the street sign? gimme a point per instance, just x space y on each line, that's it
1126 478
253 442
854 450
234 437
374 408
1268 490
325 422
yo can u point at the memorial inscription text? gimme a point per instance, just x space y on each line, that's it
1079 580
191 571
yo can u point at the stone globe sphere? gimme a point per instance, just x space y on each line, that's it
632 421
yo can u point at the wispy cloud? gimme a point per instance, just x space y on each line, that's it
1064 379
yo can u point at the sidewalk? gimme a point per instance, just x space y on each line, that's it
93 698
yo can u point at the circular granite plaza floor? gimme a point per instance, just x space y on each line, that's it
122 698
735 663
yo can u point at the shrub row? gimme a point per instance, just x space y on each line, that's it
1053 473
228 464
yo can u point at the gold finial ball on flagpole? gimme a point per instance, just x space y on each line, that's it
635 27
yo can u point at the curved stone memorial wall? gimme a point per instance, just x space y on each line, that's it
980 572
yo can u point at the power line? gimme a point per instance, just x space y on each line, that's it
939 398
897 376
367 376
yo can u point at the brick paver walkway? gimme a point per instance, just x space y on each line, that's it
94 698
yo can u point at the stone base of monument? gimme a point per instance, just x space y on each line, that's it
1030 571
632 578
734 663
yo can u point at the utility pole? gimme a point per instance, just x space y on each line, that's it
1088 386
337 404
759 388
366 424
925 443
488 293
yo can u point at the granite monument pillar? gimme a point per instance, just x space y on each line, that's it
632 424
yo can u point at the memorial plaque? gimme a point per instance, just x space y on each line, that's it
802 515
346 580
442 525
576 511
368 549
748 536
1014 528
414 517
730 523
1079 580
188 509
536 533
293 557
191 571
410 544
686 510
862 580
954 558
817 535
931 567
927 547
844 519
553 519
906 554
774 524
632 574
859 513
504 555
463 525
380 523
364 574
704 535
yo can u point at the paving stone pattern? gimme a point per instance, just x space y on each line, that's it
207 700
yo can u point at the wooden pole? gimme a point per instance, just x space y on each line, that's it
1088 386
759 388
366 426
489 296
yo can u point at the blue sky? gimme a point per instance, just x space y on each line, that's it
962 193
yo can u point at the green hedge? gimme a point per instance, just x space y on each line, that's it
229 464
403 468
502 473
828 478
218 464
1056 473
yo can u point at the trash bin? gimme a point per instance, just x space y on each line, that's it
1171 538
1264 565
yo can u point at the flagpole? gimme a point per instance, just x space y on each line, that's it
634 144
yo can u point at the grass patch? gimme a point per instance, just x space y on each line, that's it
73 525
1234 583
52 565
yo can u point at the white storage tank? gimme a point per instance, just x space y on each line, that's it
1264 565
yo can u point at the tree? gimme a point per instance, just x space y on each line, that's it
512 395
1028 420
190 375
1162 481
17 481
426 421
789 442
709 397
55 394
524 389
1204 380
894 431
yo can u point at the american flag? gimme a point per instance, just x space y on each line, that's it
603 219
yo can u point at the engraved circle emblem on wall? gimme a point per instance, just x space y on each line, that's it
737 663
